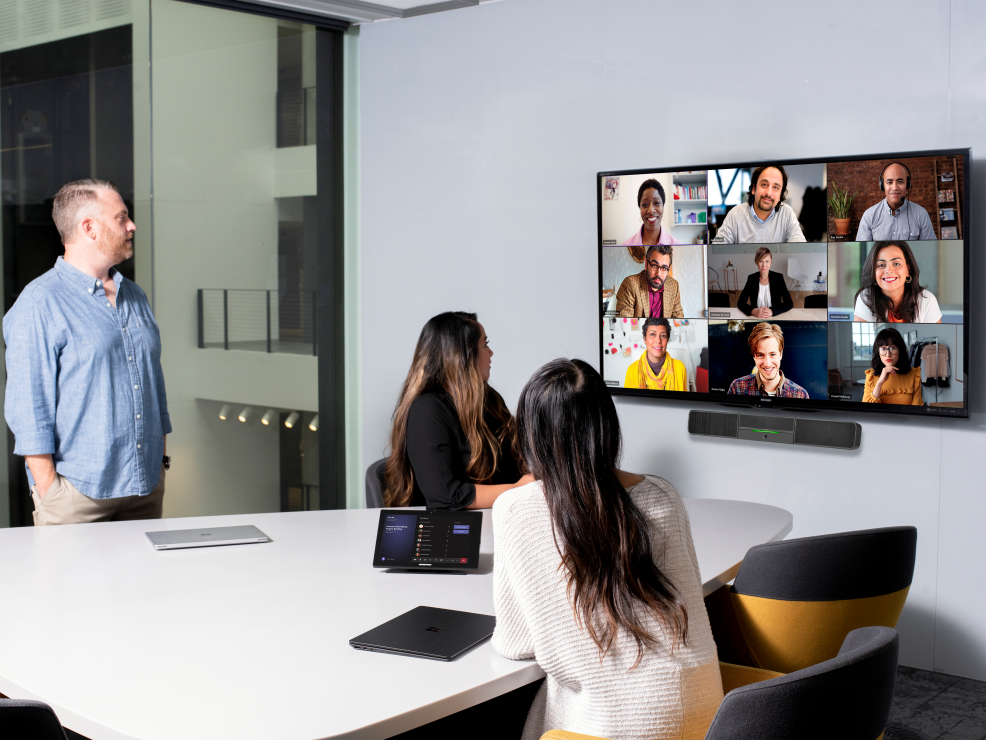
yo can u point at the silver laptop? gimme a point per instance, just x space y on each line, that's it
179 538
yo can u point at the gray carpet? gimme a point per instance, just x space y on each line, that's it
940 706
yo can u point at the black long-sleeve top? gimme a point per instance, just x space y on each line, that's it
439 453
780 298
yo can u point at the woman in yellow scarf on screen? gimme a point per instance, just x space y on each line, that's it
656 370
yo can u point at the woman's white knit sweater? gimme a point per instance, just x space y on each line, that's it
667 695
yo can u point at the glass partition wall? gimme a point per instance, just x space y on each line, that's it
215 147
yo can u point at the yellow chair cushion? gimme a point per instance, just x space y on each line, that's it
787 636
734 676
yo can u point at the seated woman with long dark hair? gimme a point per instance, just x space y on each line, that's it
890 378
451 444
595 575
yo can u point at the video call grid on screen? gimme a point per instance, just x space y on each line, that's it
671 228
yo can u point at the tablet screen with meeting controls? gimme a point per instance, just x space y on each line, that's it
428 540
839 283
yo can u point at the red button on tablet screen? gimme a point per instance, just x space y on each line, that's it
464 560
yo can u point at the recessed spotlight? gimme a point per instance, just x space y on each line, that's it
314 424
292 419
245 414
224 412
269 417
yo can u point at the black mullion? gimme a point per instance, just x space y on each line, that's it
330 311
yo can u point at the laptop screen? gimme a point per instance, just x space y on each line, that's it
420 539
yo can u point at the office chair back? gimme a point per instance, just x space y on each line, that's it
718 300
794 601
816 301
376 482
848 696
794 270
29 720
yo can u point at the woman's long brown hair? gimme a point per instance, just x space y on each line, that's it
569 435
445 359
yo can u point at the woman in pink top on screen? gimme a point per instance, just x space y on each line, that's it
650 199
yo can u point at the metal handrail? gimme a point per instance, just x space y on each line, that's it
257 320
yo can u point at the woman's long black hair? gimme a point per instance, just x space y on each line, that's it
569 436
890 338
876 300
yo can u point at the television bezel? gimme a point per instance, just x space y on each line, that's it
788 404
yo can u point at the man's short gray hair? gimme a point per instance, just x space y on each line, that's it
77 201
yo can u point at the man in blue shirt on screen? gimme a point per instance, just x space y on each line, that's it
85 392
896 216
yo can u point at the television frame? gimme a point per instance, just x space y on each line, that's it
762 402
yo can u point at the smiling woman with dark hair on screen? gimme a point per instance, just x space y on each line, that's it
890 378
650 201
891 291
595 576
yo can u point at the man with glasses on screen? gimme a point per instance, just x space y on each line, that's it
895 217
766 218
85 392
651 292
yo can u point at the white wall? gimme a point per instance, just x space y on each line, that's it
460 109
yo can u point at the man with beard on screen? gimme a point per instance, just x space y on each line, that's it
85 392
767 347
651 292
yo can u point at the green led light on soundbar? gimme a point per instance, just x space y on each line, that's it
764 431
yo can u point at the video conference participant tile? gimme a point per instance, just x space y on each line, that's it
912 198
656 354
796 288
768 204
654 208
927 361
669 278
755 357
861 271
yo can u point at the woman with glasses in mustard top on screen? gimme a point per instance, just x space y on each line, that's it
891 379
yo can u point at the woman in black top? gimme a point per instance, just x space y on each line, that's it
765 294
452 445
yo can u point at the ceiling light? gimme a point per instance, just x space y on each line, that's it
292 419
314 424
245 414
224 412
268 417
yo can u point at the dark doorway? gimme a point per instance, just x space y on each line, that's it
66 113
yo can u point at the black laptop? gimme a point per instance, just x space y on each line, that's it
427 632
428 541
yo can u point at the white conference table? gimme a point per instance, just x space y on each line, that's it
251 641
795 314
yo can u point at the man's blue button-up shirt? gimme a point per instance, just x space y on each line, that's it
84 382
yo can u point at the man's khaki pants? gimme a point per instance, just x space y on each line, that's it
66 504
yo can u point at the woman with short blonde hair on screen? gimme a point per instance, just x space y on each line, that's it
596 576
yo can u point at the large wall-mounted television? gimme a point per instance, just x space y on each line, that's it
838 283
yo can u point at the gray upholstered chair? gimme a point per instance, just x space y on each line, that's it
848 696
376 482
29 720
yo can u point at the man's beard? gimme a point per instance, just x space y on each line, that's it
656 283
115 250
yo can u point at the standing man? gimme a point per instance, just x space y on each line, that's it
85 391
895 217
651 292
766 218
